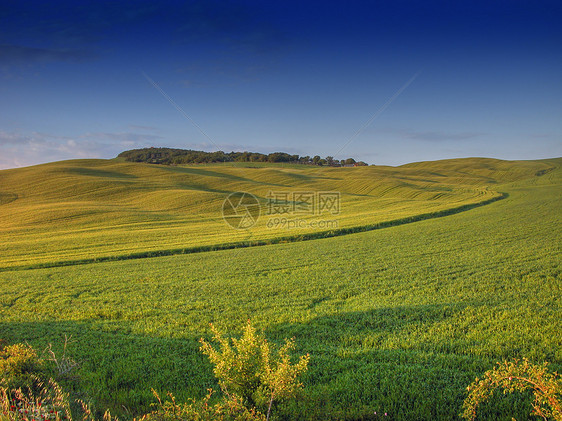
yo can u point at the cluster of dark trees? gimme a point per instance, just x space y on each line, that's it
171 156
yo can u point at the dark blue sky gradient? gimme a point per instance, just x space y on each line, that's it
294 76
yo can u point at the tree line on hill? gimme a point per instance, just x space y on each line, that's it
171 156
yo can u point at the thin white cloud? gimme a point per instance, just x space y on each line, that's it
24 149
432 135
121 136
13 138
438 136
146 128
18 54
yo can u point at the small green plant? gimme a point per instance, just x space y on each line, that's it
19 366
518 376
248 370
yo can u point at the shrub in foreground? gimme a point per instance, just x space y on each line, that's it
19 366
248 370
518 376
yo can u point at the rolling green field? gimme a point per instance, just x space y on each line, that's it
75 210
397 320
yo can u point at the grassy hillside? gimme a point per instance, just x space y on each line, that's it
396 320
81 209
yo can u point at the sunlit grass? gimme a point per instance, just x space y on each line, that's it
398 320
81 209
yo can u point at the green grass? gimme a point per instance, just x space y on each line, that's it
396 320
76 210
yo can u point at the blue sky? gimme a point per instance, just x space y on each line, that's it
293 76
